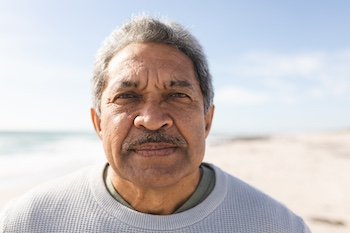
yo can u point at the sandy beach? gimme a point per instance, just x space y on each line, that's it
309 173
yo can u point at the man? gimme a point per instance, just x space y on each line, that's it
152 110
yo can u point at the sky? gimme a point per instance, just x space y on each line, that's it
277 66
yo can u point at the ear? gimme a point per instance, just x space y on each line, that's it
96 121
208 118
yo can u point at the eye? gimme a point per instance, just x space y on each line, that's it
178 95
127 96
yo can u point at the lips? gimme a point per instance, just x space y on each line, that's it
155 149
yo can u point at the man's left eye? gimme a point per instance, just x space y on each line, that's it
178 95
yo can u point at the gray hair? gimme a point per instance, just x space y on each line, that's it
144 29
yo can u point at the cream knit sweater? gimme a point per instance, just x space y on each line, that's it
81 203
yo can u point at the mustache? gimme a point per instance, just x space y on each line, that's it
154 137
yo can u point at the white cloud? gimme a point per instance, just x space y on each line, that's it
239 96
277 65
294 77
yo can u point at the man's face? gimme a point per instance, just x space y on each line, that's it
152 123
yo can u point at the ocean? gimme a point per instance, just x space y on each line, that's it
30 158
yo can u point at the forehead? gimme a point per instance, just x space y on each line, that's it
139 60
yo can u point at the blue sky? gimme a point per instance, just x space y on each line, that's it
278 66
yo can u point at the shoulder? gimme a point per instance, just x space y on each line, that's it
254 208
45 201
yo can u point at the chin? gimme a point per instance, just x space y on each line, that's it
159 177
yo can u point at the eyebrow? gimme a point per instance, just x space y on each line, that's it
180 83
124 84
172 84
128 84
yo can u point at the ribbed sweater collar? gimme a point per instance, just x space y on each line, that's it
156 222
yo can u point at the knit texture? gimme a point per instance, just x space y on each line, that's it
81 203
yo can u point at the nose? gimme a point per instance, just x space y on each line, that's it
153 117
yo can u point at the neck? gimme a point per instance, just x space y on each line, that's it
160 201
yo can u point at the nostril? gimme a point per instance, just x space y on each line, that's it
153 122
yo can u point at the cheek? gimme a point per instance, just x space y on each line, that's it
191 125
115 128
113 121
191 117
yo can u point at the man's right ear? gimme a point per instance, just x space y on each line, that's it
96 121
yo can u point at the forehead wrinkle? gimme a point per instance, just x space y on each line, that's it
123 84
133 72
123 75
